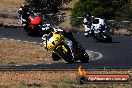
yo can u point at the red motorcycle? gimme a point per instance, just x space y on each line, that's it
34 24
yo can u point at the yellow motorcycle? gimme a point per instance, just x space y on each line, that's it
56 41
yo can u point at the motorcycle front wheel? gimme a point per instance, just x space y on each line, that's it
106 37
65 55
28 31
103 37
55 56
85 56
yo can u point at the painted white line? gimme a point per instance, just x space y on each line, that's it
40 43
92 54
11 39
33 42
18 40
35 64
4 38
21 41
25 41
100 55
18 65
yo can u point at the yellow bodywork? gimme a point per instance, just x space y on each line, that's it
54 40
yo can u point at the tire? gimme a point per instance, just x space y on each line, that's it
84 56
27 30
29 33
55 57
97 37
108 37
100 37
66 56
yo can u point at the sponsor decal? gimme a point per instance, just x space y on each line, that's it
101 78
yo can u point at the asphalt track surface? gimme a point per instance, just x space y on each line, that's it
116 55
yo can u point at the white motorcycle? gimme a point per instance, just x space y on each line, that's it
100 31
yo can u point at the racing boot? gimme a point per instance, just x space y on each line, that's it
24 22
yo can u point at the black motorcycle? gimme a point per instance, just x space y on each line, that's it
102 34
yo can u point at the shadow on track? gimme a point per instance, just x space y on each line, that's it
107 42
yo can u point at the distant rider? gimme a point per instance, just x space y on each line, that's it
87 22
99 23
91 21
23 13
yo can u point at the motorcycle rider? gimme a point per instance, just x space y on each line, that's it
69 41
87 22
23 13
91 21
99 23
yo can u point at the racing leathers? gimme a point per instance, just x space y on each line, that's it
87 22
99 23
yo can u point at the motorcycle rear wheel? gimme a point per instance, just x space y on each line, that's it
84 58
28 32
108 37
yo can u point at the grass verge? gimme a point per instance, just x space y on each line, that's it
16 52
